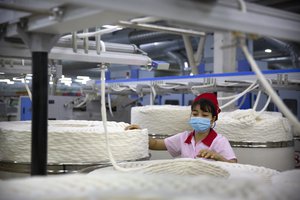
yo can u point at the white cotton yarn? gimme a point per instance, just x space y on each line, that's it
158 185
182 166
251 126
74 141
288 182
238 126
196 167
162 119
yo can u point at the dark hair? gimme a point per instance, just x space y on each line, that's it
206 106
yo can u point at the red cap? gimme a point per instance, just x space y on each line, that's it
210 97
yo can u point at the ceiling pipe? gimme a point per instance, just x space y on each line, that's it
127 36
156 49
287 47
178 59
142 37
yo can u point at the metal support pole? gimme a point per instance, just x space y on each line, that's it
189 53
39 113
39 44
199 54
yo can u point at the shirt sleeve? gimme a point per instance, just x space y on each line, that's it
223 147
173 145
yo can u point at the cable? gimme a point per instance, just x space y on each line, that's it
83 102
103 110
26 85
166 86
104 119
117 88
91 34
152 95
242 102
242 5
194 88
266 105
27 89
132 88
257 100
270 91
251 87
109 105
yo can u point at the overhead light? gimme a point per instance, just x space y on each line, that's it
112 27
7 81
83 77
4 80
67 84
80 81
2 73
65 79
19 79
268 50
186 65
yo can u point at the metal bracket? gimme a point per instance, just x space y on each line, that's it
37 42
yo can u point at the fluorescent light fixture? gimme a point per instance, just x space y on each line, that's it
66 81
63 78
83 77
7 81
82 81
18 79
2 73
186 65
78 80
107 26
68 84
4 80
268 50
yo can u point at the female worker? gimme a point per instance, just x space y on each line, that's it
203 141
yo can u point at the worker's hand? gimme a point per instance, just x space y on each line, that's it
205 153
132 127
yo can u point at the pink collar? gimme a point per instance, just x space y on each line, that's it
207 140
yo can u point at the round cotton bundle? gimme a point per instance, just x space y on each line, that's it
251 126
162 119
72 141
136 186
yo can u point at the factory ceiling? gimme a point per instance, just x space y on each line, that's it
170 47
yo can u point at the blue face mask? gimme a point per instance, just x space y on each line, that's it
200 124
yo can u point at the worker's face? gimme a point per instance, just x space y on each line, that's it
197 112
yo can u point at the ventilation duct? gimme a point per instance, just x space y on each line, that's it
288 48
127 36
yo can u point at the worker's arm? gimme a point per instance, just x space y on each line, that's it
154 144
132 127
213 155
157 144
